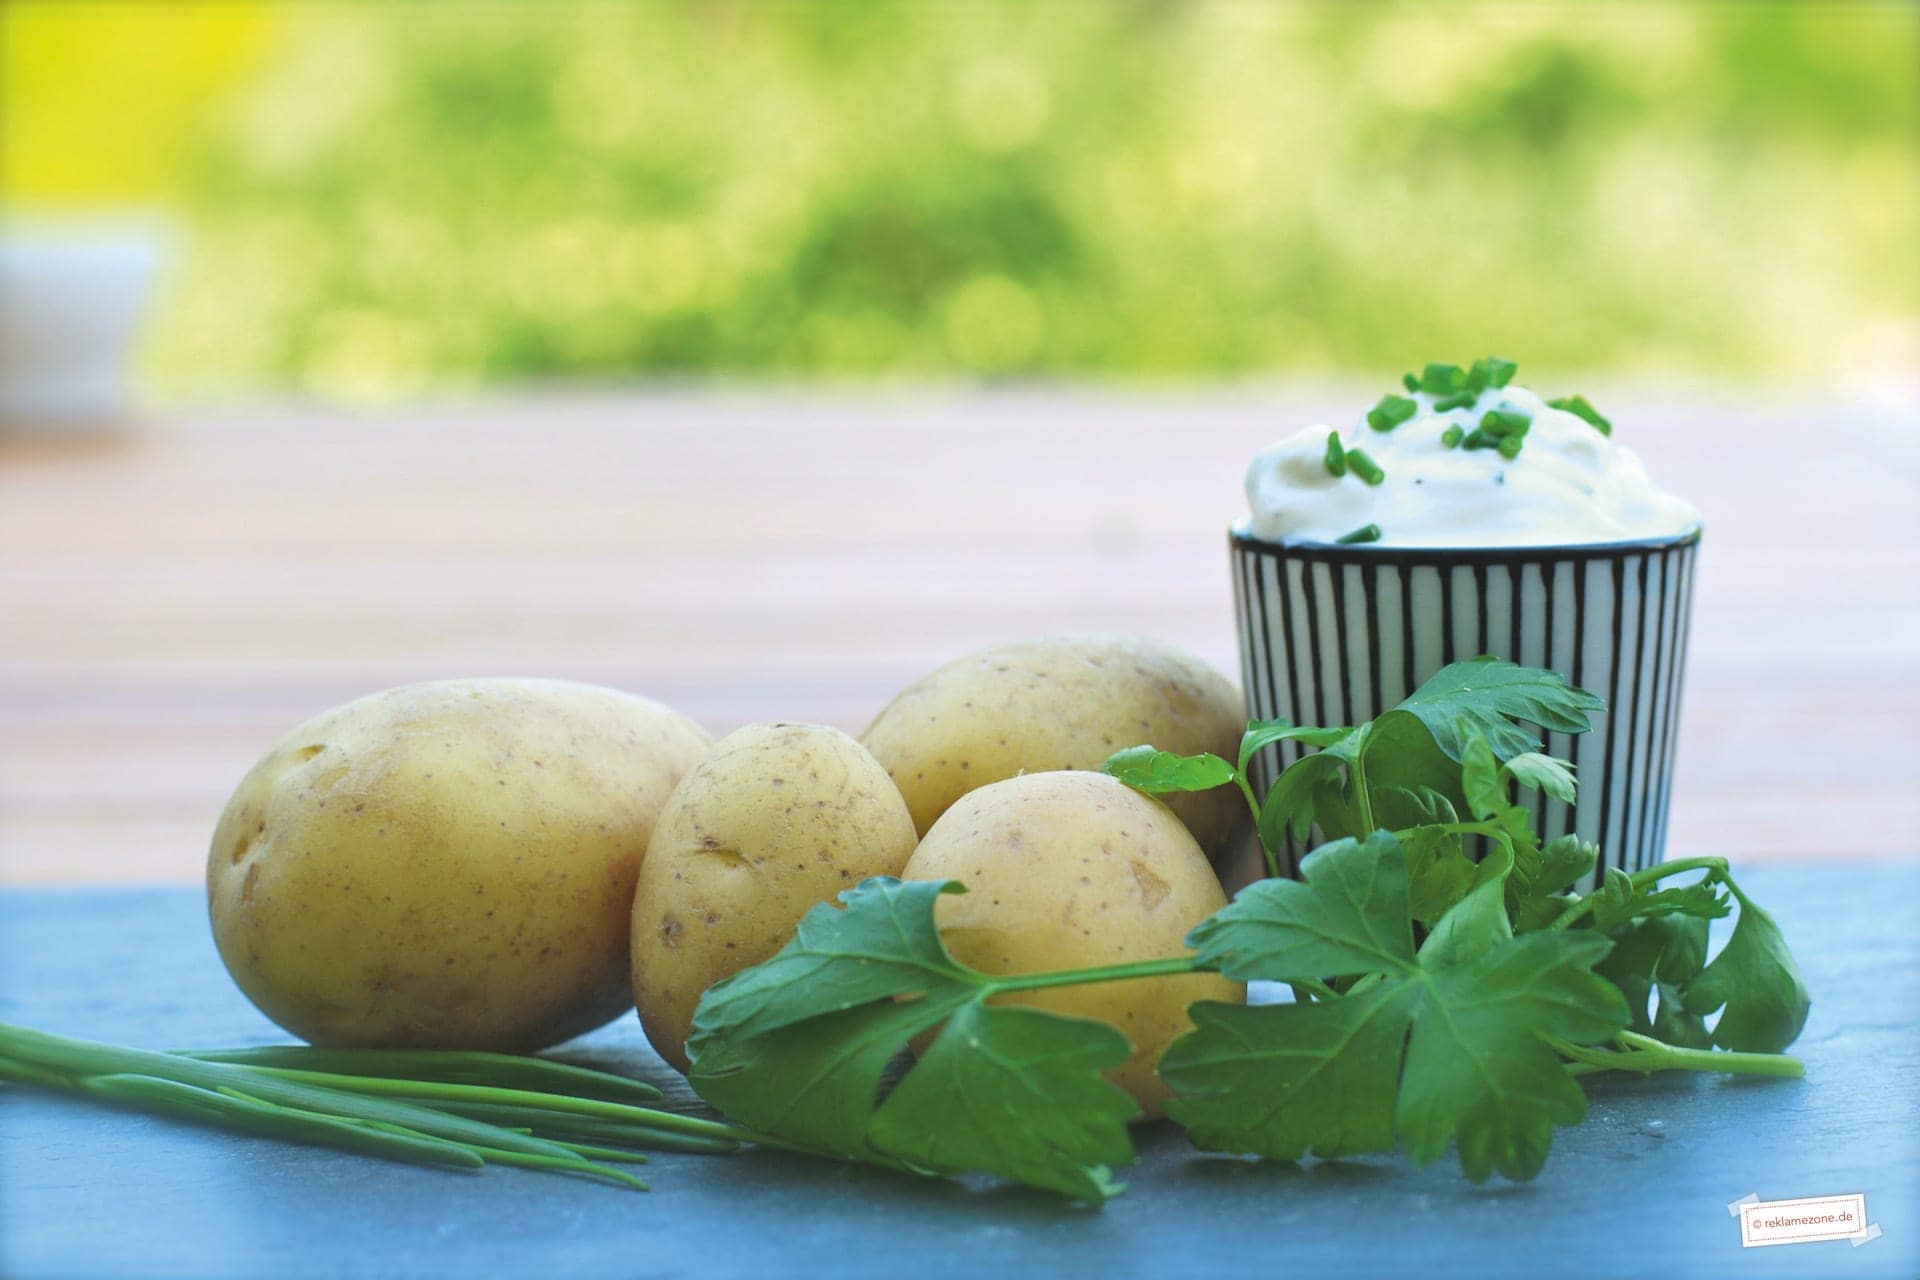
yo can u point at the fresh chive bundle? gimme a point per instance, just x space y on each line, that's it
450 1109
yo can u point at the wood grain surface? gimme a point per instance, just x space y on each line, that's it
173 600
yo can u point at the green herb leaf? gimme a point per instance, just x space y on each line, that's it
797 1048
1017 1092
1390 412
1489 695
1544 773
1463 1026
1578 406
1755 984
1160 773
1264 733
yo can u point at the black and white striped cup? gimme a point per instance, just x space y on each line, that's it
1333 635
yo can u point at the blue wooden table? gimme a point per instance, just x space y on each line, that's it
1640 1189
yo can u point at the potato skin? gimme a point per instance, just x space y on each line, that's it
777 818
1065 702
446 865
1071 871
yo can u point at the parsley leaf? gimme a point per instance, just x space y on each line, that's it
1488 694
1159 773
798 1047
1755 984
1449 1044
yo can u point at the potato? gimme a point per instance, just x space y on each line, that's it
446 865
1062 703
1071 871
779 817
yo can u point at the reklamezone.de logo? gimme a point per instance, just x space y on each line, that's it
1803 1221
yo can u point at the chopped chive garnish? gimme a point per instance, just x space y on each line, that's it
1336 456
1451 437
1491 371
1410 381
1510 446
1459 400
1365 533
1391 412
1578 406
1443 379
1366 468
1480 438
1504 422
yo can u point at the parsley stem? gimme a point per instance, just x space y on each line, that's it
1679 866
1170 966
1253 806
1645 1055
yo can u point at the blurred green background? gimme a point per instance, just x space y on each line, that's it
379 199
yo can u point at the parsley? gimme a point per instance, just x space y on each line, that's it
1451 1042
1439 1001
798 1047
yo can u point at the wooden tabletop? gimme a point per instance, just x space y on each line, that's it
174 599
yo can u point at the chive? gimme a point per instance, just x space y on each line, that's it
496 1070
1336 456
89 1058
444 1094
1510 446
1391 412
1443 379
1410 381
230 1110
1459 400
560 1127
1491 371
1504 422
1480 438
1365 533
1450 438
1579 406
1365 467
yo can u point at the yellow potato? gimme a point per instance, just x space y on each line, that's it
1074 871
777 818
1067 702
446 865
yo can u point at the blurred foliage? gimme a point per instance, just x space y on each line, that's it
99 102
419 193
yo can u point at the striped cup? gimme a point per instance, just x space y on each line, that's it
1333 635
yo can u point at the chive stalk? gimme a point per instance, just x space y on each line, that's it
1336 457
1364 466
